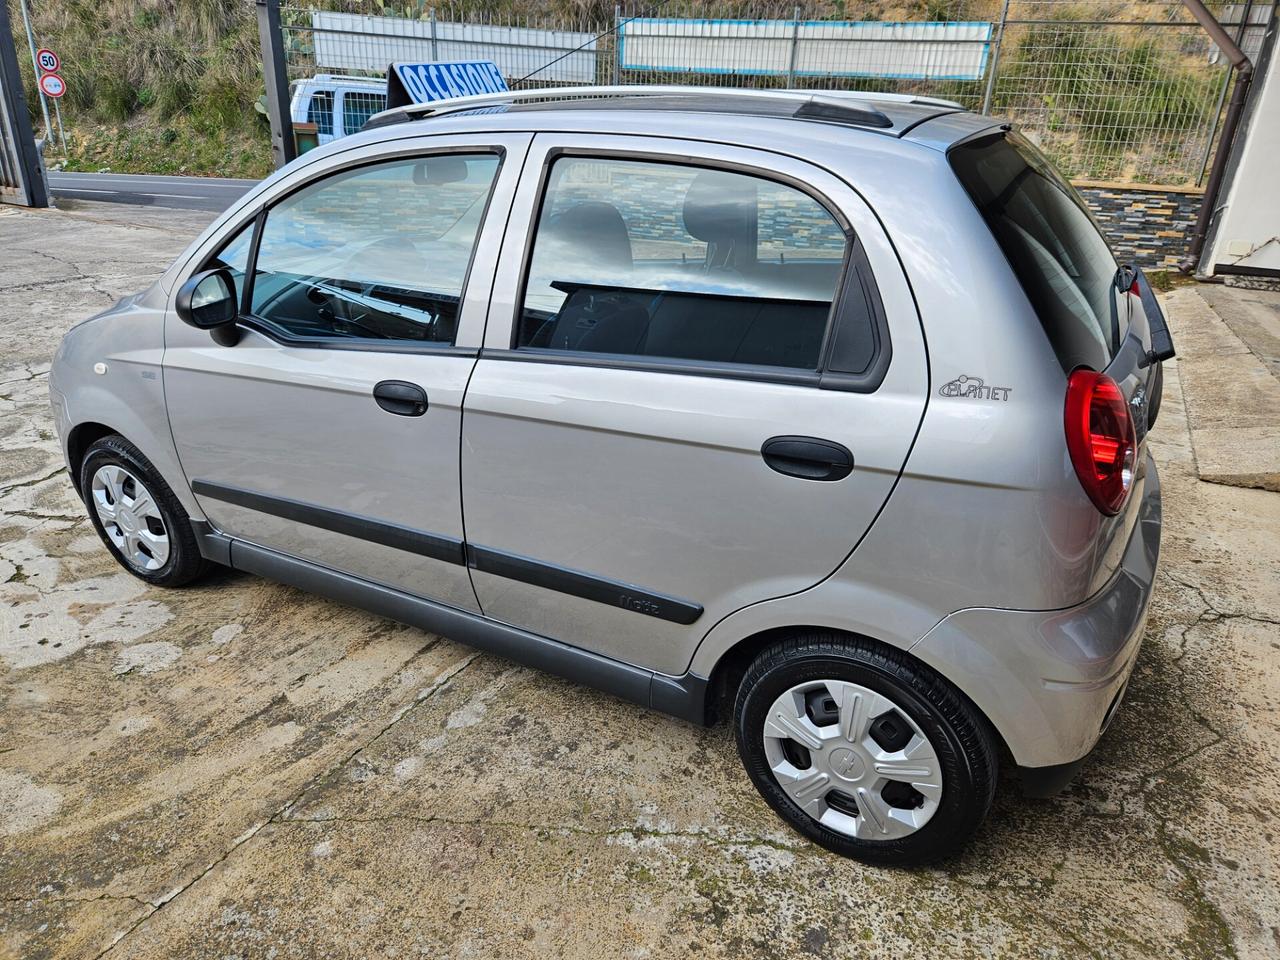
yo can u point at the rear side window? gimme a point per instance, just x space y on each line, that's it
1052 243
653 259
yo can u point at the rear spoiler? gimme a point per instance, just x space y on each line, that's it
1161 340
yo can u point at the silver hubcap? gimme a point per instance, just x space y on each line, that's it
131 517
852 760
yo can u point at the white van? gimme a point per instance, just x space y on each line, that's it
338 105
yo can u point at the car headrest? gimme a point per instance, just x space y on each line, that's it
594 226
720 207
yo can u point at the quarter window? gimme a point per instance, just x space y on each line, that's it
377 253
649 259
234 256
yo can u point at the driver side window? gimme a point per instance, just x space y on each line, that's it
376 253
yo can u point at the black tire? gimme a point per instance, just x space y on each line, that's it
960 736
184 564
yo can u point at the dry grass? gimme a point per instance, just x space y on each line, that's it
149 80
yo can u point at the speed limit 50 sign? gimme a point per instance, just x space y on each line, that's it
47 60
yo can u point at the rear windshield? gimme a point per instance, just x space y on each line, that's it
1052 243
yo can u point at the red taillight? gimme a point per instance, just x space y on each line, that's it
1100 438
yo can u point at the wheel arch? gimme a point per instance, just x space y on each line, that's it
729 668
94 412
80 438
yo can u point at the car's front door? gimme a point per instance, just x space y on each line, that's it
688 400
330 431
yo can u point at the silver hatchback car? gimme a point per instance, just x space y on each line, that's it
825 414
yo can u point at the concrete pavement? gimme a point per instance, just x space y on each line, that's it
239 769
1225 337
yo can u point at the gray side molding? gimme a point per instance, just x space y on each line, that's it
683 697
214 546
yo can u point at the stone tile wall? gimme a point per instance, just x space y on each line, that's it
1149 226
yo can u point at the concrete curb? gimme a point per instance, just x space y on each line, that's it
1233 401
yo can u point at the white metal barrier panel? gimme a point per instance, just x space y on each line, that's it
900 51
350 41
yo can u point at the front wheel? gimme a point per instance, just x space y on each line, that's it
137 515
864 750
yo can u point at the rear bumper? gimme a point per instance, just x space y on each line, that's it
1049 681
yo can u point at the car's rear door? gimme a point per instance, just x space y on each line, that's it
682 350
330 431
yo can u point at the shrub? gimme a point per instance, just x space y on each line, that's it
1105 97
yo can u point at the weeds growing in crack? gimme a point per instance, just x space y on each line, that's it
636 831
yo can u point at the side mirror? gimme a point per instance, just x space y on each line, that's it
207 301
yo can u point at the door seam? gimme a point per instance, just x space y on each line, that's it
462 404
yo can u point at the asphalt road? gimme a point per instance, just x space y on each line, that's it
184 193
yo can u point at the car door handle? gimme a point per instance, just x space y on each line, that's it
401 398
808 458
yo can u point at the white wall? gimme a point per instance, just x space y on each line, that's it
1248 230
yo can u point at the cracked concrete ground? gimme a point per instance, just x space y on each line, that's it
240 770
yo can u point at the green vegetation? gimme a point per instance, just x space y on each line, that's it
155 85
170 85
1107 103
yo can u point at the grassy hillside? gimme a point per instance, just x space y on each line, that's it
155 85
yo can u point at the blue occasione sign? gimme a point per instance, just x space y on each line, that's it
424 82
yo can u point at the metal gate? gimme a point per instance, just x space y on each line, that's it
22 178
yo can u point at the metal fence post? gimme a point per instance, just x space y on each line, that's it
62 134
617 44
21 166
995 60
795 42
283 149
435 40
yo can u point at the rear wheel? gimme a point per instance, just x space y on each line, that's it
137 515
864 750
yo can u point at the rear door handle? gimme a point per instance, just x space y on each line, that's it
400 397
808 458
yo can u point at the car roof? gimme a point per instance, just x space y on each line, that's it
886 114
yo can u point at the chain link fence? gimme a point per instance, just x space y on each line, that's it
1126 92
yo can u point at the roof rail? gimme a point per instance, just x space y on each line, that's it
829 98
885 97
